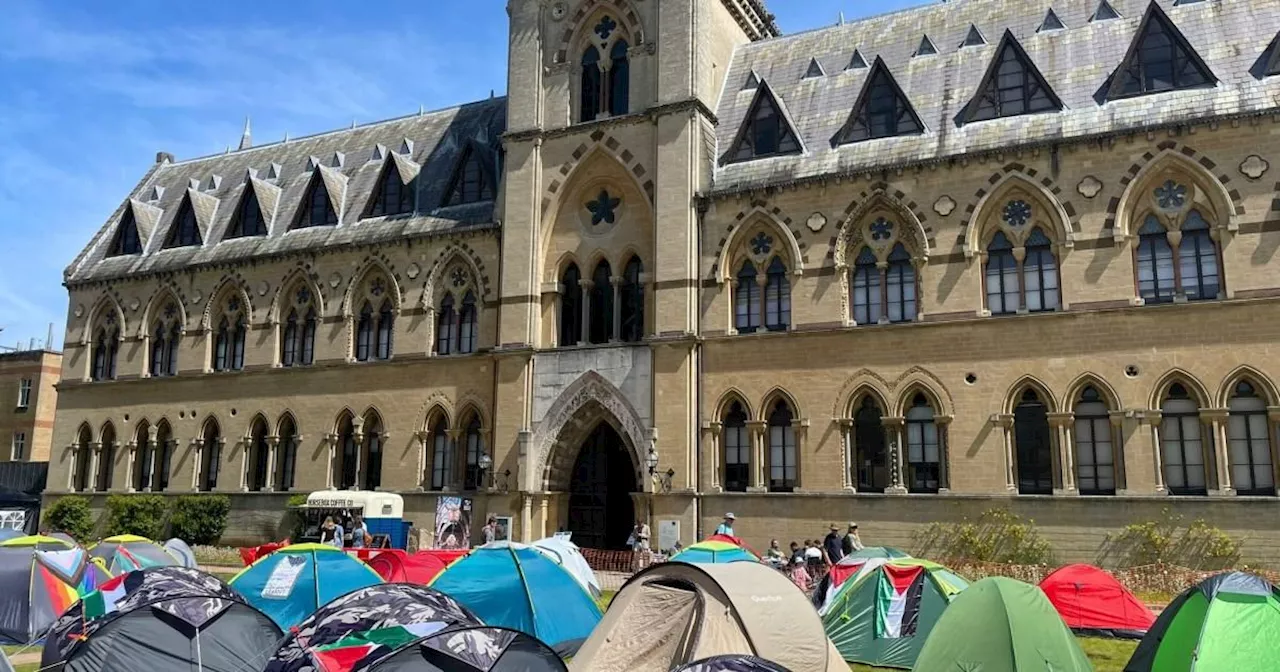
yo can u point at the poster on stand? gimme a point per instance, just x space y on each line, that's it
453 523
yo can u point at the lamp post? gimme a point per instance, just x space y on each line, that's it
661 481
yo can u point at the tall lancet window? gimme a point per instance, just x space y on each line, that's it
605 82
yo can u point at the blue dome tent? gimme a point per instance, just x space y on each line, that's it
293 582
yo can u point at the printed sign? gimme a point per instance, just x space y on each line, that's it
668 534
453 523
503 532
283 577
332 504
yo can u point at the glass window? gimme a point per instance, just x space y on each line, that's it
737 450
318 211
632 295
186 231
473 479
900 285
210 458
870 447
1198 259
866 288
1040 273
18 451
106 345
471 182
570 307
348 453
1033 439
1182 447
289 341
127 241
1015 87
619 79
601 306
777 297
107 459
309 337
248 218
393 196
1155 262
924 453
765 132
446 326
372 461
386 325
441 457
259 453
164 449
882 110
84 452
1003 291
1249 434
467 324
782 450
1161 61
24 393
287 457
1095 453
364 334
746 300
589 105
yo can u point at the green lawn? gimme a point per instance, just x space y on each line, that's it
1107 655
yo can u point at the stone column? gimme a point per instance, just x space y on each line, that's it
616 333
1154 418
198 445
74 450
1005 422
246 450
731 304
759 480
152 450
457 461
714 442
424 476
526 518
544 522
95 459
332 441
1216 420
132 447
882 267
584 334
1019 256
1118 455
846 455
273 469
897 455
943 423
1061 424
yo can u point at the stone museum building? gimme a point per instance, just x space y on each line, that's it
976 254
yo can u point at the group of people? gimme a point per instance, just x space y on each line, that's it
815 557
334 534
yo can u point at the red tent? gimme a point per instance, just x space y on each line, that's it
1093 603
396 566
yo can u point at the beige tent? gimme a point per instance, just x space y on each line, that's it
674 613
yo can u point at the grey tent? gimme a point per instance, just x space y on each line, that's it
470 649
737 663
675 613
180 550
5 665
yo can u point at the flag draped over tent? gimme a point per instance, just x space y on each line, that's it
898 601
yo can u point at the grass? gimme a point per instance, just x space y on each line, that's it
1107 655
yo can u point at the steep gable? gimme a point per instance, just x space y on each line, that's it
1159 59
765 132
1011 86
881 111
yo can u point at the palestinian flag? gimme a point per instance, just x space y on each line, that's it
366 647
336 658
898 601
103 601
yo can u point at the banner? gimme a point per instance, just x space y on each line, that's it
453 523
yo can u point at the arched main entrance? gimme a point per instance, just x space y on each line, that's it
601 512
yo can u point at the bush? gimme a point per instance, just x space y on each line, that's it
199 519
70 515
998 535
1166 541
141 515
293 521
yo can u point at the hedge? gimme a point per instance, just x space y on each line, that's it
70 515
199 519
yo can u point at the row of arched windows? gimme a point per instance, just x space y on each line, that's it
603 309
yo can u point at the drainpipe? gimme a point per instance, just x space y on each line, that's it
702 205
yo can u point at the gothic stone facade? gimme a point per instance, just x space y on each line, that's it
974 254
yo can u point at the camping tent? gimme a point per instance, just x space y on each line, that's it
395 610
732 663
181 552
841 573
126 552
7 533
471 649
1093 603
715 551
884 552
1002 625
5 665
394 565
514 586
1228 621
21 484
570 557
294 581
882 617
673 613
171 618
39 579
39 542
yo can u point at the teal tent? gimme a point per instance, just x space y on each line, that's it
518 587
293 582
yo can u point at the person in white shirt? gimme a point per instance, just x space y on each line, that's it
726 528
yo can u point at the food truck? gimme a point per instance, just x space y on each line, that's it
383 514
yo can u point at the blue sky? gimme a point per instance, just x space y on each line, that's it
94 89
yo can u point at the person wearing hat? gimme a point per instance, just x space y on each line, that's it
726 528
851 542
832 545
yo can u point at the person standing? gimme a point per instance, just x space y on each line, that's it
832 545
640 545
359 533
339 536
726 528
489 533
851 543
327 531
773 556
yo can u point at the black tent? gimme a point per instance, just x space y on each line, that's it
20 486
471 649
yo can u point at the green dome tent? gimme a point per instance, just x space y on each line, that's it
1227 622
1002 625
882 617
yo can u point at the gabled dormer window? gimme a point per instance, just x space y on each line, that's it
765 131
127 240
1012 86
393 196
1159 59
1268 65
248 218
881 111
316 209
185 232
472 182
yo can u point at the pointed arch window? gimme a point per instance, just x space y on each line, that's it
867 299
348 455
165 340
257 456
1095 449
631 295
1155 263
1159 59
317 210
1182 445
372 462
1189 269
924 447
228 345
592 85
185 231
386 325
619 79
107 459
210 458
446 329
1250 442
1003 289
441 456
467 324
473 478
737 450
364 333
106 348
393 196
127 240
289 341
163 460
870 447
777 297
570 306
765 132
746 299
1012 86
1040 273
143 458
287 458
1198 259
881 111
248 219
600 323
783 470
472 181
1033 439
82 471
900 285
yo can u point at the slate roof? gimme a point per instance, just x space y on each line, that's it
430 144
1230 35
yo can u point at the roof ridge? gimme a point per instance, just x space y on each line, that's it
336 131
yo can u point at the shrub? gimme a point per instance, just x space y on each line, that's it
293 522
141 515
199 519
1166 540
70 515
998 535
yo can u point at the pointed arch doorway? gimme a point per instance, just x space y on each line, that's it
601 510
